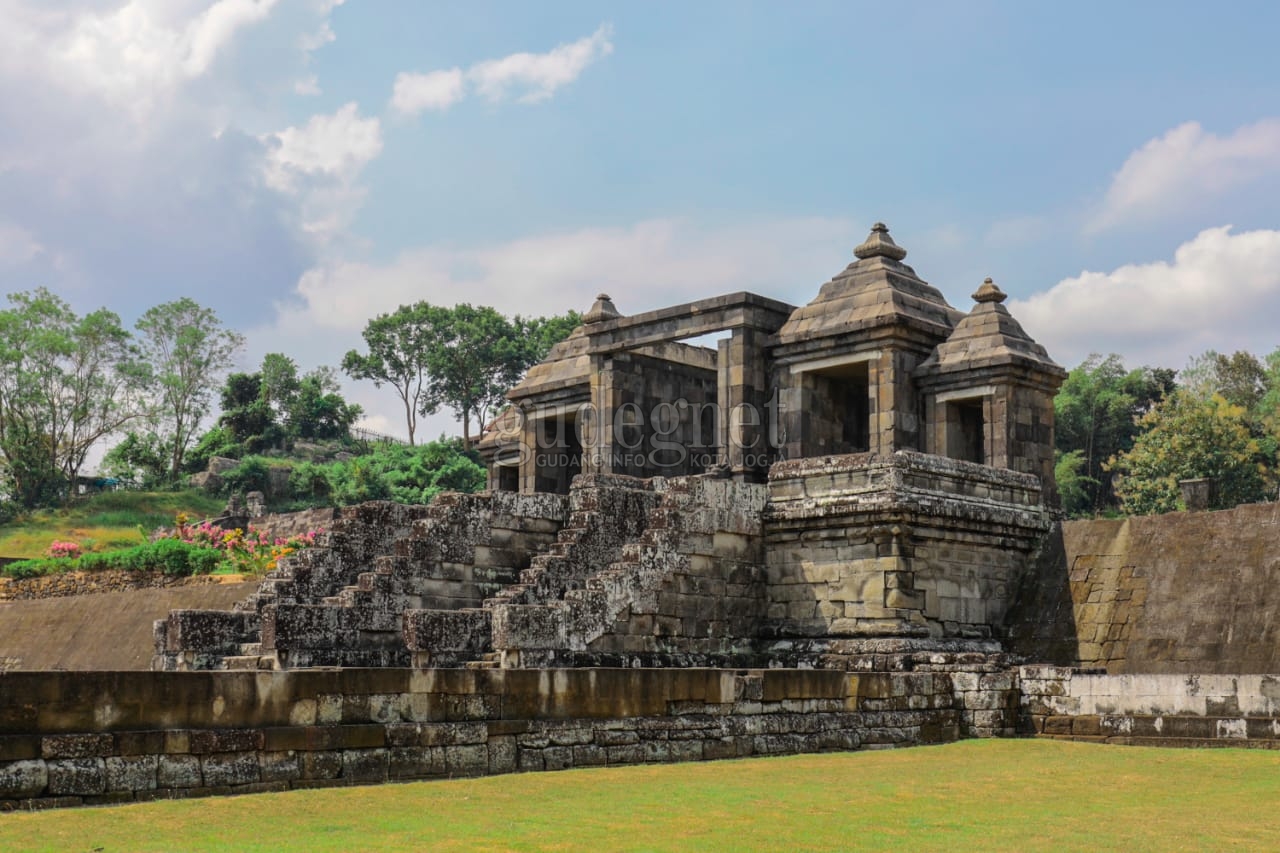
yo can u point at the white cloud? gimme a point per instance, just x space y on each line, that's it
308 86
337 145
527 77
1221 291
128 177
644 266
1187 165
138 52
17 245
536 76
437 90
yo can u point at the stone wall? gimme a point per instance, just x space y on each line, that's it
102 631
203 639
112 737
902 545
88 583
282 525
1151 710
1186 592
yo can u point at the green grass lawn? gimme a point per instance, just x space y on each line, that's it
975 795
103 522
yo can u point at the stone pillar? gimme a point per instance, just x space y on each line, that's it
597 432
1197 494
742 395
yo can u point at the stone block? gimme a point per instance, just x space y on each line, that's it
466 759
131 773
179 771
365 765
77 746
321 765
76 776
230 769
20 780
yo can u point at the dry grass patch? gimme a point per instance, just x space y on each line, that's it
988 795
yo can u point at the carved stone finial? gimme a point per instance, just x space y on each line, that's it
602 310
988 292
880 245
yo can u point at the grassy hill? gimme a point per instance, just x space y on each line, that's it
103 522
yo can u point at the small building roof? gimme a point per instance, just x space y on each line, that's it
989 336
876 290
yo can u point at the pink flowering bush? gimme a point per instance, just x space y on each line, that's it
63 550
250 552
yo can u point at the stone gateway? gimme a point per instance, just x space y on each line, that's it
835 528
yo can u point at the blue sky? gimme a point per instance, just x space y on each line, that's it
302 165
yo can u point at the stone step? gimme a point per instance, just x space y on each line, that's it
242 661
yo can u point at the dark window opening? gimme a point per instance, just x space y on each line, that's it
966 431
508 478
558 456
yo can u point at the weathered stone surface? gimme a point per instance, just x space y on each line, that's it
20 780
1178 593
76 776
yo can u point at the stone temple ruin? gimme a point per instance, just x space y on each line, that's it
834 529
831 486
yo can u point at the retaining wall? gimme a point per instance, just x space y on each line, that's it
85 738
1151 710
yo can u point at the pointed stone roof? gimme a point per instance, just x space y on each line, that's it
876 290
567 363
989 336
603 309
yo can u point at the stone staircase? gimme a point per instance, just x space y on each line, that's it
209 639
669 582
605 512
620 571
342 601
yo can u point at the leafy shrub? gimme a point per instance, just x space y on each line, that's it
218 441
23 569
251 475
170 556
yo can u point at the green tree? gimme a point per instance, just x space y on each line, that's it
66 383
188 350
1095 416
1188 437
246 416
318 411
141 458
1240 378
399 349
280 383
465 358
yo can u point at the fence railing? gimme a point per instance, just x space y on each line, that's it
370 437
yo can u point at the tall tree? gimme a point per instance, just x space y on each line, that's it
66 382
188 350
399 350
1240 378
475 358
318 411
465 357
1095 416
280 383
